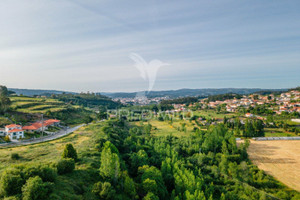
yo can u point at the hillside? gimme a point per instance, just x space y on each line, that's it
36 105
29 109
88 100
116 160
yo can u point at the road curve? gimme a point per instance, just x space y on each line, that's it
60 134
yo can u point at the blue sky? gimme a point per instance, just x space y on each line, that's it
85 45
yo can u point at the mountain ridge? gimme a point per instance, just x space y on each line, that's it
184 92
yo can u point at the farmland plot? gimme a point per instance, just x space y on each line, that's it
281 159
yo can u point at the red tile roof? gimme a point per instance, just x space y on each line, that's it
12 125
50 122
15 130
37 125
31 127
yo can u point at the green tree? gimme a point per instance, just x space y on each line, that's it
110 163
137 160
70 152
65 166
36 189
4 100
147 129
129 187
11 182
150 185
154 174
151 196
104 190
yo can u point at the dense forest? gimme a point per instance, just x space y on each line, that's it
183 100
132 164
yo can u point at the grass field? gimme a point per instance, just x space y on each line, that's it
281 159
82 140
277 132
163 128
212 114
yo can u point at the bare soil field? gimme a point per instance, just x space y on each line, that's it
280 158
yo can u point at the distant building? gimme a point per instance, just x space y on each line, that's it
249 115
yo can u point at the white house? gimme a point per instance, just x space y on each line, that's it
249 115
14 131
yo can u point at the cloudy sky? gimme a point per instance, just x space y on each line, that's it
85 45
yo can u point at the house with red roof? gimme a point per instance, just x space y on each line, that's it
14 131
41 126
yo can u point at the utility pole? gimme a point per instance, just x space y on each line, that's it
42 126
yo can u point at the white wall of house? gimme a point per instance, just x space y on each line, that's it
16 135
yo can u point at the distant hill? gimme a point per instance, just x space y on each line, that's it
166 93
191 92
32 92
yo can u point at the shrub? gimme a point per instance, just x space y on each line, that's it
69 152
11 182
36 189
46 173
7 139
65 166
104 190
15 156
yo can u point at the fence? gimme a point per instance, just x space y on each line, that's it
276 138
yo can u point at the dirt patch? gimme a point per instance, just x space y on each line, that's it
280 158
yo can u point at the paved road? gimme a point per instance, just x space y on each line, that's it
59 134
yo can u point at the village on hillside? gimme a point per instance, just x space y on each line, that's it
286 102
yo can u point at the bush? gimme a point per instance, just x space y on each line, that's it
11 182
104 190
70 152
15 156
65 166
46 173
36 189
7 139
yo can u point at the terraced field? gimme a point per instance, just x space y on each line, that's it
36 105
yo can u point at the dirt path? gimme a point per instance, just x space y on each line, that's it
280 158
